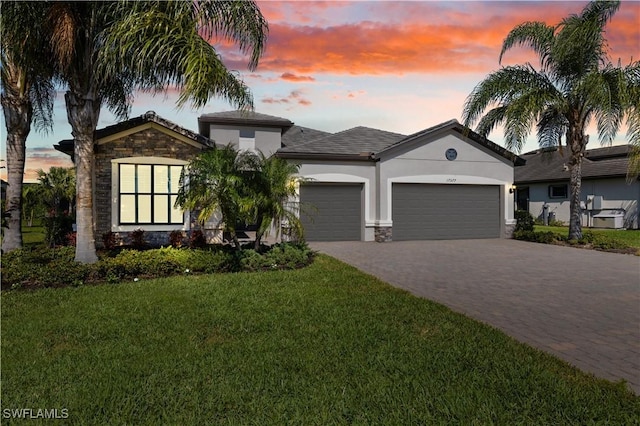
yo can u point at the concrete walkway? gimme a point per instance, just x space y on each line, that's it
580 305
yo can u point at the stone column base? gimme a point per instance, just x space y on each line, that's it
508 230
383 234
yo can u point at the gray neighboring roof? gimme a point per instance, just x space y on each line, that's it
550 165
358 143
246 118
297 135
67 145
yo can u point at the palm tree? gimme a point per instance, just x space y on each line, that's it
576 83
57 189
27 96
32 204
272 188
215 181
106 50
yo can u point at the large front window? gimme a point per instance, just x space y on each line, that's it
148 193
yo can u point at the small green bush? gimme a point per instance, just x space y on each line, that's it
43 267
547 237
524 221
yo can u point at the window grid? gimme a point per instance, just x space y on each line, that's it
156 198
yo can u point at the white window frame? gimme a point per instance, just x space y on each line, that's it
116 226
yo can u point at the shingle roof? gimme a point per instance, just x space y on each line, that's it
297 135
66 145
351 142
358 141
251 118
551 165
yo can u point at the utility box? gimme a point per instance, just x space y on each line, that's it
609 219
594 202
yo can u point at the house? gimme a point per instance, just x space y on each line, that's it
368 184
362 184
543 184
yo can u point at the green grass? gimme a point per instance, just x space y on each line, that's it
630 237
32 235
321 345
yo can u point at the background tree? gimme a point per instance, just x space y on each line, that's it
33 206
576 83
272 188
215 181
106 50
27 94
57 189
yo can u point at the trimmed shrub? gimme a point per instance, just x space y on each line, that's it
47 267
524 221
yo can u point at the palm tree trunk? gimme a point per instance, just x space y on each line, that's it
17 114
83 113
578 143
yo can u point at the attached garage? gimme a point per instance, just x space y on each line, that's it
333 211
442 212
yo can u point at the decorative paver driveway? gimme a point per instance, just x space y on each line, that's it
580 305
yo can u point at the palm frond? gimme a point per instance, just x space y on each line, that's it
551 126
536 35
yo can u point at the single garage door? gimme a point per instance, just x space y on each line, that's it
445 212
333 211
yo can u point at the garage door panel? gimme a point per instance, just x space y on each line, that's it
334 212
426 211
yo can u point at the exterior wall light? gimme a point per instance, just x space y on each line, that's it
513 188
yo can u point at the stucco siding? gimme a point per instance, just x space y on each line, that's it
428 164
267 140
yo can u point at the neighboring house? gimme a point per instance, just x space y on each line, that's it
605 194
364 184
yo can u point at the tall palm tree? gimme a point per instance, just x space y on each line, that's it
576 83
272 188
215 181
106 50
27 96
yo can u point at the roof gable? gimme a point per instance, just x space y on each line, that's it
439 130
149 120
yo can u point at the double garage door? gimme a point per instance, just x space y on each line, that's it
420 211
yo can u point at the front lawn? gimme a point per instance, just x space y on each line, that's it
321 345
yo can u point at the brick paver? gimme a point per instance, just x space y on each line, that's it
580 305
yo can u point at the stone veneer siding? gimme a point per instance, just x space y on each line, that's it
383 234
145 143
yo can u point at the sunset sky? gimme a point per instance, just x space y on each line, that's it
396 66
